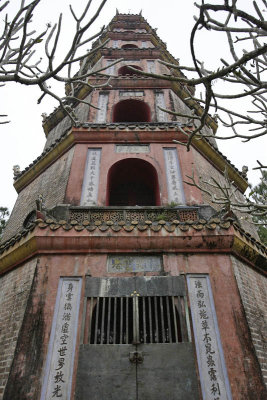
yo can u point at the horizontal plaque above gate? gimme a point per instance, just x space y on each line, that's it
123 263
132 148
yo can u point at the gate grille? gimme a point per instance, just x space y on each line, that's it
133 320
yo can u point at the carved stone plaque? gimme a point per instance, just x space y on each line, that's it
174 179
102 105
132 149
115 44
151 66
131 93
110 70
212 370
91 178
61 350
121 263
160 102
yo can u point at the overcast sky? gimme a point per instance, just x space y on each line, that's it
22 140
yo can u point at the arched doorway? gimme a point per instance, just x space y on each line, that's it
129 46
133 182
131 111
125 70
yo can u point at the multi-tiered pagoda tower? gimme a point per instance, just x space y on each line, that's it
119 281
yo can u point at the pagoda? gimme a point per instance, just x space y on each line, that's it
118 280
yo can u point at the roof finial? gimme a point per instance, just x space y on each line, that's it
117 11
140 12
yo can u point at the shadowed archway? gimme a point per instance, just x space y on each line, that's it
129 46
133 182
131 111
125 70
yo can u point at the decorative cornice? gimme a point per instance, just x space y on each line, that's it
221 162
41 163
52 237
121 132
159 51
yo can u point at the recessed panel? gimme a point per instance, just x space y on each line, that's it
122 263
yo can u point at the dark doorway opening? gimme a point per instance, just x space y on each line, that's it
131 111
133 182
129 46
125 70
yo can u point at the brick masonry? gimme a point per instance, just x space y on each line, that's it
206 170
51 184
81 112
253 293
15 287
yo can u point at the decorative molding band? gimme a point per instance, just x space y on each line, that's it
44 162
191 237
121 133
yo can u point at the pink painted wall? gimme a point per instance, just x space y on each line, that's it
231 320
109 157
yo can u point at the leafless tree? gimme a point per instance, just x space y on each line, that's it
244 78
226 195
22 61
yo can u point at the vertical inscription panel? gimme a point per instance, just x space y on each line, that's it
174 178
101 116
110 69
160 102
59 363
151 66
211 364
91 178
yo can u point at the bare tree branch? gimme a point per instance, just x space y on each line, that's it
19 45
241 77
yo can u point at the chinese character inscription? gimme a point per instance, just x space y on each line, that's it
213 375
59 365
91 178
118 263
174 180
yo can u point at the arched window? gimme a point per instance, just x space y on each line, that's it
131 111
125 70
129 46
133 182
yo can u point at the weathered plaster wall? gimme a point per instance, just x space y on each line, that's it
242 365
180 107
15 288
24 378
253 291
114 96
51 184
204 169
109 157
81 112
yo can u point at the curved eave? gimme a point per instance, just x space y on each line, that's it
43 241
84 135
220 163
163 54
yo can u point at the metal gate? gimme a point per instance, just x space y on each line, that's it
135 342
